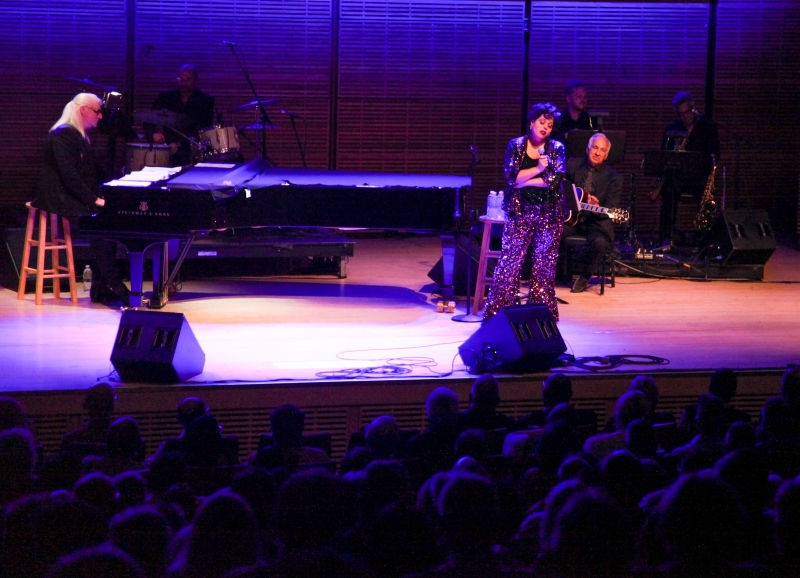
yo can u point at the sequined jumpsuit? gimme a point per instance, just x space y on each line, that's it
533 215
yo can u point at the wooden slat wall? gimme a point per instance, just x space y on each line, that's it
757 105
42 43
633 58
284 44
420 81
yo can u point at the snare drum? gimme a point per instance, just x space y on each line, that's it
146 155
220 142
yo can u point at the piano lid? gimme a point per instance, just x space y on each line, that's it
258 174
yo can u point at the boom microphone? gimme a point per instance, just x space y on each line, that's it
229 43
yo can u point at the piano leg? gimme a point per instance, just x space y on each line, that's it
448 265
136 259
160 273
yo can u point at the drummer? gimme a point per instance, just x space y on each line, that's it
188 100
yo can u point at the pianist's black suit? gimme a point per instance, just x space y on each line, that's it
68 181
68 187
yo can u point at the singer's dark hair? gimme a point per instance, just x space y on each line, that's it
546 109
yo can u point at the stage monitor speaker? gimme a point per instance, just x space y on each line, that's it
518 339
741 237
156 347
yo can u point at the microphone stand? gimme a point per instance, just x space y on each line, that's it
468 317
261 110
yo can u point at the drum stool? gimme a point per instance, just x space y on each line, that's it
54 246
483 280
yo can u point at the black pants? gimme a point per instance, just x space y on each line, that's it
599 244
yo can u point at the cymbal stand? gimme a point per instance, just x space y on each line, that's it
292 118
265 121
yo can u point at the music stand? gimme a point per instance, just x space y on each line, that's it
670 165
578 140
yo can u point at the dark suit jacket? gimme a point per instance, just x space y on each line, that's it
68 182
607 189
199 109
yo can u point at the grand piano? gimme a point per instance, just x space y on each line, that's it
147 216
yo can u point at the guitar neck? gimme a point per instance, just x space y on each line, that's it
592 208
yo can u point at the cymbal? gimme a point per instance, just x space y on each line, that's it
90 82
163 117
255 103
257 126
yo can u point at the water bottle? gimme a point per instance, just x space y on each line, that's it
87 278
491 205
501 214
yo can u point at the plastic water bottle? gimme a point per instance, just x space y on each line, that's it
491 205
501 214
87 278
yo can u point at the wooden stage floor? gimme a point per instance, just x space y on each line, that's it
281 329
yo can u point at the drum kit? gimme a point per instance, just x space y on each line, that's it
216 143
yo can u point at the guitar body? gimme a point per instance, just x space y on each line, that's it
571 217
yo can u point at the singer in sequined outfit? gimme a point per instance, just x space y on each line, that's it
534 165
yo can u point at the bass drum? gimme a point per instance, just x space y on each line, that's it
139 155
220 143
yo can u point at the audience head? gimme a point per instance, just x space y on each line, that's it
700 521
723 384
441 406
647 385
287 423
166 470
630 406
385 482
622 475
740 435
308 510
786 519
97 490
640 438
12 414
710 414
123 439
131 489
592 537
144 534
356 459
224 536
557 442
776 419
485 392
472 443
556 388
105 560
748 475
553 504
382 436
257 487
189 409
17 456
564 412
790 387
202 442
572 468
468 509
401 540
99 401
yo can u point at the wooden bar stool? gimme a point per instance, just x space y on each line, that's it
55 245
483 280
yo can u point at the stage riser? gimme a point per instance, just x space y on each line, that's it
341 408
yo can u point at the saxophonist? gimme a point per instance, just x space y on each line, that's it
695 132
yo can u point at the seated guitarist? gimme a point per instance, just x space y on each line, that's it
601 186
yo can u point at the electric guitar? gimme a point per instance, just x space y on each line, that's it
571 217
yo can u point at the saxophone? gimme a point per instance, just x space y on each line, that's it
708 207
